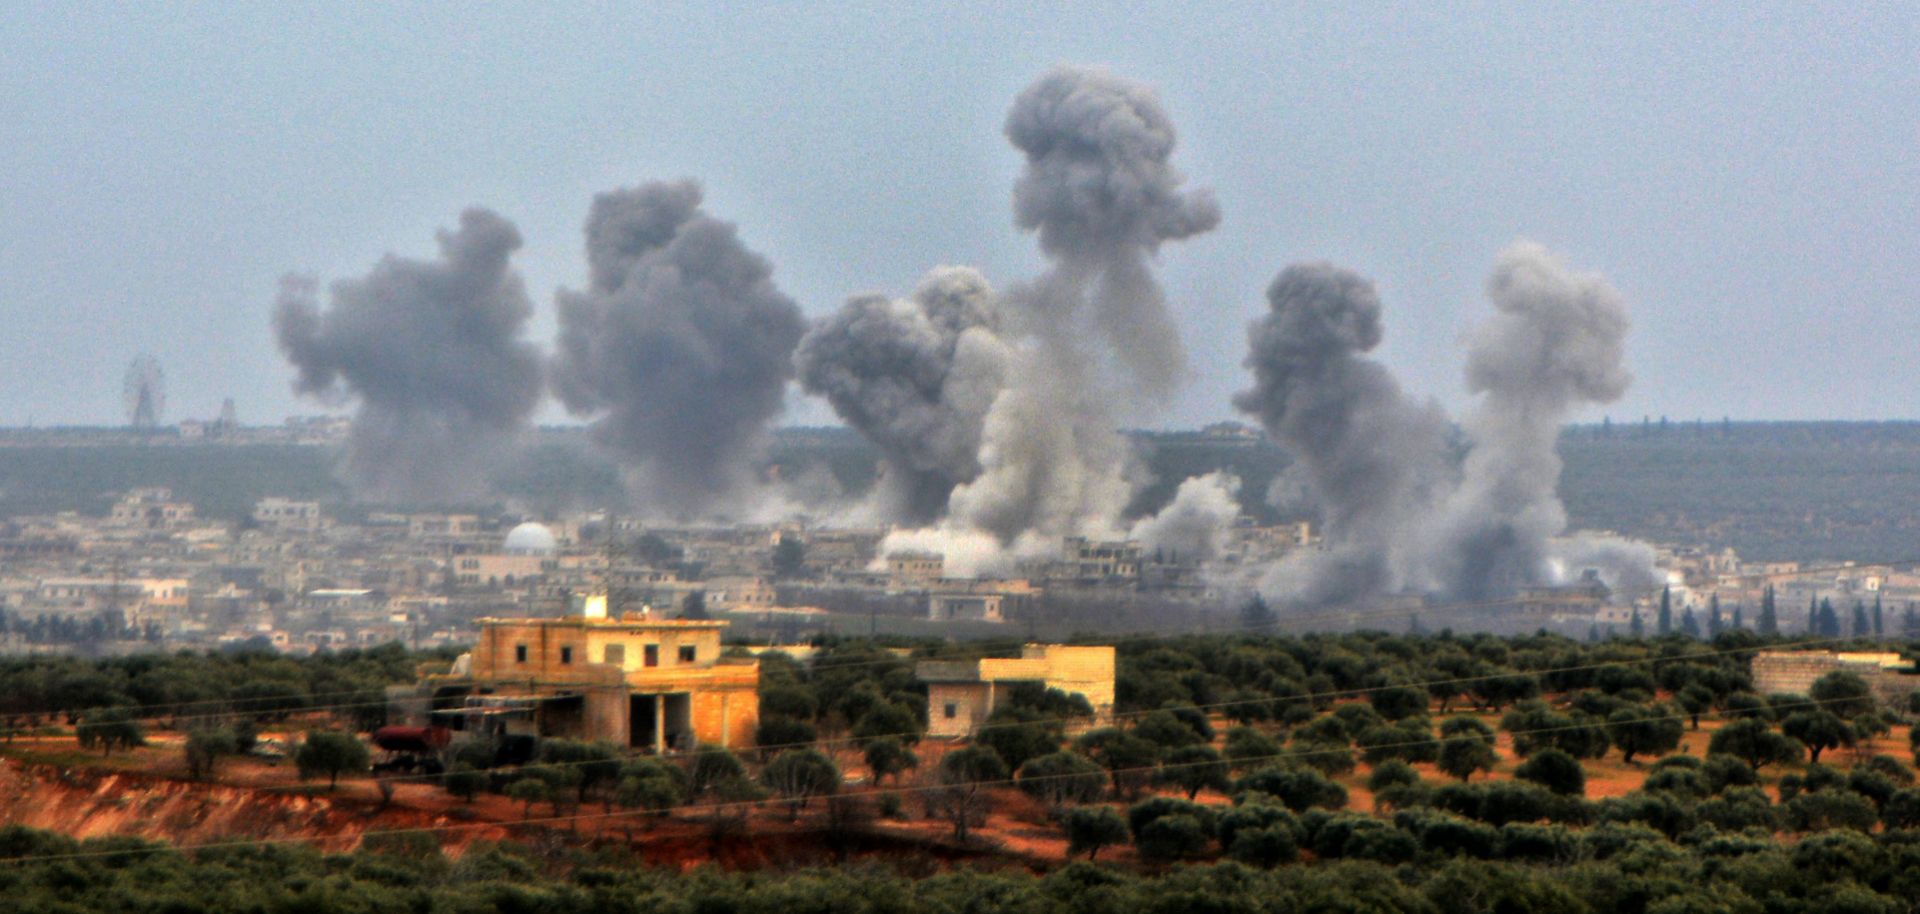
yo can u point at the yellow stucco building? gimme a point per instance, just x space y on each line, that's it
961 694
653 684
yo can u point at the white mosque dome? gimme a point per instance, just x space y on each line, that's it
531 539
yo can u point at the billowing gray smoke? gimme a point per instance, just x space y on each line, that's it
431 351
916 377
1101 192
1193 527
1396 512
681 345
1372 457
1556 342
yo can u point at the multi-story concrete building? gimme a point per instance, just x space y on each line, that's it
287 514
150 509
962 606
658 685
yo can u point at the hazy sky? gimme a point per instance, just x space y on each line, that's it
1747 174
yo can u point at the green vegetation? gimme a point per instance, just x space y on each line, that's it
1229 779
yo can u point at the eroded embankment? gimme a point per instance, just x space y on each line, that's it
88 803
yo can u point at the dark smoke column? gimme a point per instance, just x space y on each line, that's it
681 345
915 377
1556 342
1372 457
1100 190
431 350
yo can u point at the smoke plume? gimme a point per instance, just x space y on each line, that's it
1397 512
1372 457
1193 527
1556 342
431 351
916 377
1050 466
681 345
1101 193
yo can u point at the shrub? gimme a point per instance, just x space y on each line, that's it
1090 828
1449 835
110 729
1555 770
1410 740
1166 730
1172 838
464 781
1739 808
1818 730
1296 788
1061 778
1168 829
1018 735
204 749
1723 771
1393 773
1463 754
1193 769
777 732
1256 817
1843 694
1871 784
711 766
1641 730
799 775
1521 801
1902 810
889 757
1657 810
332 753
1363 838
1821 810
1687 783
1537 843
1895 770
528 791
1398 702
1267 847
887 719
1247 747
1143 813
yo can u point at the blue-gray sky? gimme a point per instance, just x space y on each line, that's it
1748 175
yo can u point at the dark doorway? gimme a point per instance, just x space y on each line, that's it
640 722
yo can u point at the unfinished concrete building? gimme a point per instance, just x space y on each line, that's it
962 694
650 684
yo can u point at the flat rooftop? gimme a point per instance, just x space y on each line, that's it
630 622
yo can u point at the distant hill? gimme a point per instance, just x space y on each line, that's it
1772 490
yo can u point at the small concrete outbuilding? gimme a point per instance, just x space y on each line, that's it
962 694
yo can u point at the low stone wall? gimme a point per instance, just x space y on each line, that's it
1794 672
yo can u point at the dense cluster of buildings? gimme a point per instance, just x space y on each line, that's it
299 576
